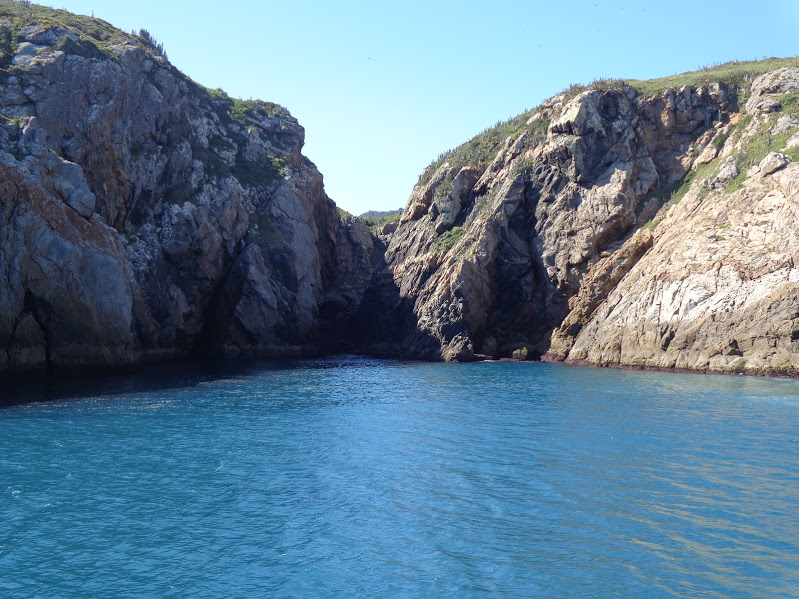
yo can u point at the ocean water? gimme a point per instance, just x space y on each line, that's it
353 477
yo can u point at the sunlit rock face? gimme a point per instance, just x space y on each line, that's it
608 227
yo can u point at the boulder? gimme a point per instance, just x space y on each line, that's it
727 172
768 87
772 163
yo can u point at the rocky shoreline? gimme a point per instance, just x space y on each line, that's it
613 228
146 218
647 368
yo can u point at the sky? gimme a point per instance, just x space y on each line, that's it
383 88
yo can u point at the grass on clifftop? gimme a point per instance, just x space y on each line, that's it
481 149
735 74
91 36
237 115
102 34
24 14
240 110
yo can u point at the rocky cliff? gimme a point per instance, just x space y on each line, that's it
145 216
630 223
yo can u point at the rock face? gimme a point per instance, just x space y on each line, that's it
608 227
719 289
144 216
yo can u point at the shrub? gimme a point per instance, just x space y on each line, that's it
446 241
259 174
150 41
380 219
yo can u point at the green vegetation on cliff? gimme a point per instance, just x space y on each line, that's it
736 74
95 36
235 109
89 35
481 149
23 14
373 214
377 219
447 241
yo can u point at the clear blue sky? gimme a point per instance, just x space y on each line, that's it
383 88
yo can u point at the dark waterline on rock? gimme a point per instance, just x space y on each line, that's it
355 477
71 383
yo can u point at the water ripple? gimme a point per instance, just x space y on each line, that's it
366 478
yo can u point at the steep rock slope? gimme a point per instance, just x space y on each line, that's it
143 215
513 244
719 290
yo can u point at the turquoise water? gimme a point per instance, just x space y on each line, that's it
353 477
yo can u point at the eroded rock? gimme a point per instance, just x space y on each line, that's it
549 206
772 163
143 217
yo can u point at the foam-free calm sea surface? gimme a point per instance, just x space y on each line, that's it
353 477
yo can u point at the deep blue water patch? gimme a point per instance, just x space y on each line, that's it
354 477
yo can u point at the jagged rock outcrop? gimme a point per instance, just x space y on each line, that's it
569 184
608 227
143 215
719 290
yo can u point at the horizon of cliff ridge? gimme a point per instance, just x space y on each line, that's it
734 74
